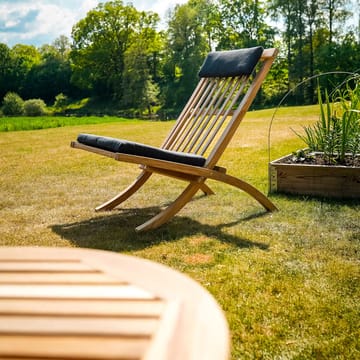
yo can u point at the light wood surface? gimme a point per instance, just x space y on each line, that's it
70 303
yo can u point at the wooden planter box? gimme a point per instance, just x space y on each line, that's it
341 182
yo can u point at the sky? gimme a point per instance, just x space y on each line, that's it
39 22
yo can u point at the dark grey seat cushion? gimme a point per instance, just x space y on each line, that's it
133 148
231 63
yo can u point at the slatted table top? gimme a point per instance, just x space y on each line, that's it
70 303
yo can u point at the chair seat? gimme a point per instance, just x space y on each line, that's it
134 148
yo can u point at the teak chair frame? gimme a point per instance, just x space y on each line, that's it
205 127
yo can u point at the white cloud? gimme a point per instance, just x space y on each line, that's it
52 20
24 22
159 6
39 22
85 6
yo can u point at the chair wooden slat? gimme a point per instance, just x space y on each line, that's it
186 113
211 111
223 114
191 121
198 117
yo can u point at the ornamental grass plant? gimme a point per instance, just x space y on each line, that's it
288 281
337 132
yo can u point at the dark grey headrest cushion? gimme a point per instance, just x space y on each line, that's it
231 63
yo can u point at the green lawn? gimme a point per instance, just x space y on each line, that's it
46 122
289 282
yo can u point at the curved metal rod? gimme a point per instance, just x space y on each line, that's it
124 195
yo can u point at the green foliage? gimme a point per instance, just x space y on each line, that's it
187 46
138 85
13 105
23 59
116 51
112 43
349 101
337 132
48 122
5 70
240 30
49 78
61 101
34 107
150 96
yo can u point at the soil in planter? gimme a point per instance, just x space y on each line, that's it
320 159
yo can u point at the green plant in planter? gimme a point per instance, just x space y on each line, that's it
337 132
350 132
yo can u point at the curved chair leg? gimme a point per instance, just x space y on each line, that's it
206 189
130 190
251 190
172 209
191 190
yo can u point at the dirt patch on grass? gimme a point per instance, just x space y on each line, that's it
199 259
198 240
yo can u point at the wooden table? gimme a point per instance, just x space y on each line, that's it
70 303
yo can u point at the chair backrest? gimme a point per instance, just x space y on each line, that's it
229 82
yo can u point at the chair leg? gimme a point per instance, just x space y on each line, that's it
191 190
172 209
251 190
206 189
130 190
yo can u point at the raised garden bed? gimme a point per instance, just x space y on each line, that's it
314 178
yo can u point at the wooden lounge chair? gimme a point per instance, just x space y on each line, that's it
229 82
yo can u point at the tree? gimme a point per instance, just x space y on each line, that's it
5 70
293 13
101 41
302 20
150 95
244 24
63 46
185 52
314 40
23 58
61 101
334 12
49 78
140 63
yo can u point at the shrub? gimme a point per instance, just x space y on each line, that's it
13 104
34 107
61 101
